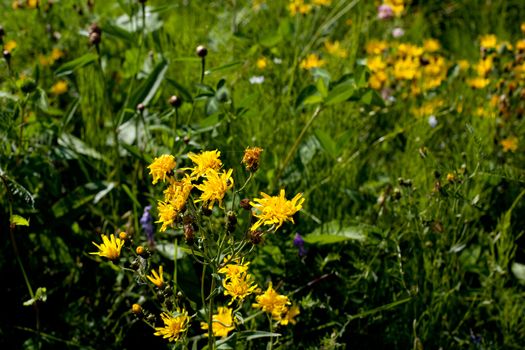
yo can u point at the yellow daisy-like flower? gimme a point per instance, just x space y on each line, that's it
376 47
510 144
489 41
299 7
262 63
235 268
272 302
10 45
59 88
431 45
205 161
322 2
275 210
56 54
110 247
215 187
174 326
335 49
157 278
478 82
161 167
239 286
312 61
167 215
290 314
177 192
251 158
222 322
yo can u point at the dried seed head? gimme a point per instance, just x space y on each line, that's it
256 237
202 51
175 101
245 204
189 234
251 158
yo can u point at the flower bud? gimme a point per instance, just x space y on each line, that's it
175 101
202 51
245 204
94 38
141 107
123 235
136 309
7 55
231 221
256 237
143 252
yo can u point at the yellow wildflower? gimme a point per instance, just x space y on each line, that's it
10 45
177 192
489 41
335 49
157 278
375 47
520 45
322 2
298 6
275 210
272 302
235 268
406 68
484 66
162 167
110 247
59 88
522 27
56 54
377 80
431 45
262 63
174 326
32 4
397 6
222 322
215 187
463 64
312 61
409 50
251 158
205 161
289 316
375 63
478 82
509 144
167 214
238 286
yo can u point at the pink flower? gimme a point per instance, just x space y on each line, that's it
385 12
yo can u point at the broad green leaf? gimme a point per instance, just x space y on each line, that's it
17 220
309 90
167 250
340 93
149 87
371 97
331 233
79 147
313 99
322 87
71 66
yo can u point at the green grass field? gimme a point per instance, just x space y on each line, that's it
384 210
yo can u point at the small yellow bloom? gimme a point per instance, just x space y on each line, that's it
377 80
322 2
262 63
510 144
520 45
484 66
463 65
489 41
32 4
162 167
238 286
215 187
312 61
44 60
273 303
222 322
10 45
275 210
335 49
157 278
136 309
397 6
56 54
409 50
167 215
174 326
59 88
375 47
298 6
478 82
205 161
431 45
289 316
375 63
110 247
406 68
522 27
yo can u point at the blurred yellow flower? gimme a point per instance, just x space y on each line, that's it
478 82
222 322
290 315
312 61
375 47
205 161
409 50
484 66
162 167
43 60
335 49
110 247
299 6
215 187
10 45
406 68
275 210
56 54
257 4
522 27
510 144
489 41
32 4
463 65
262 63
174 326
431 45
377 80
157 278
322 2
59 88
520 45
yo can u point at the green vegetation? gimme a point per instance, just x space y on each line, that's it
401 125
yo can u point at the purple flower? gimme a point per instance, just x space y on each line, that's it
298 241
147 223
384 12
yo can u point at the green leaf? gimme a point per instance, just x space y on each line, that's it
340 93
40 294
371 97
224 67
79 147
327 143
167 250
71 66
17 220
322 87
304 94
149 87
331 233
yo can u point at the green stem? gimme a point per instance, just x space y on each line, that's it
211 340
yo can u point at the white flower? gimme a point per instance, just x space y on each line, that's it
432 121
257 79
398 32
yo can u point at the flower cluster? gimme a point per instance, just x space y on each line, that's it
237 283
277 305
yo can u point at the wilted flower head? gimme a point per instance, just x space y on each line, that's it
251 158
